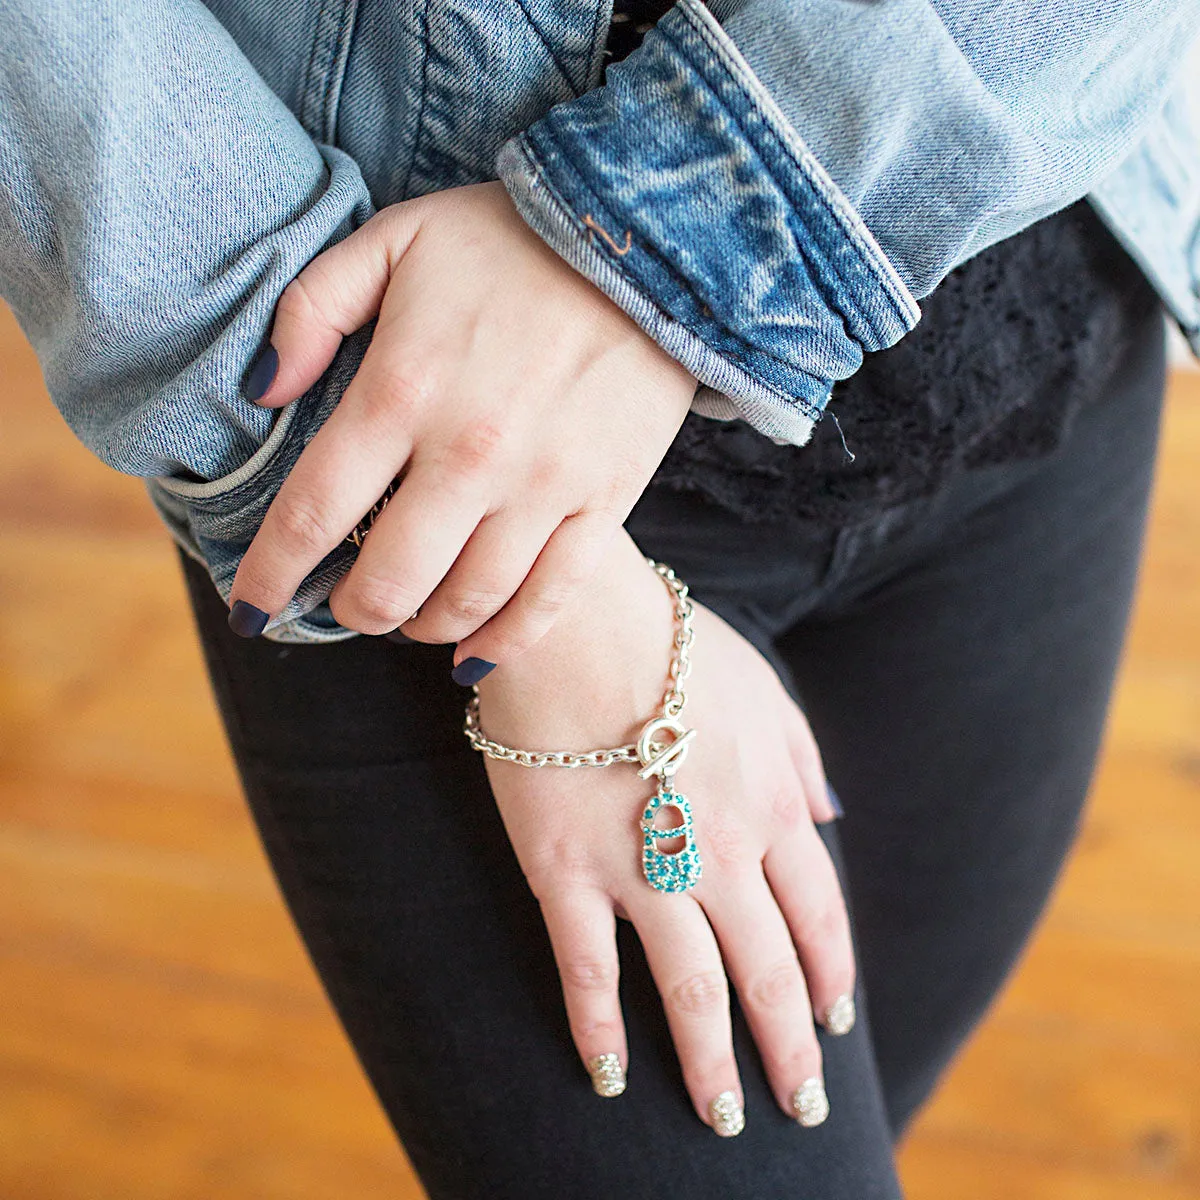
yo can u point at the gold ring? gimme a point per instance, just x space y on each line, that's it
359 532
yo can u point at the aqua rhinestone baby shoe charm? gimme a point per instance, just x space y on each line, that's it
678 869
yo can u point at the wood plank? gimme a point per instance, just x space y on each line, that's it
177 1084
164 1033
1067 1090
937 1167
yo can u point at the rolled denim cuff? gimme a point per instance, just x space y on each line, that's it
682 191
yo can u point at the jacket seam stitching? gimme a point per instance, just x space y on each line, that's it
420 124
333 99
323 58
310 86
594 65
541 37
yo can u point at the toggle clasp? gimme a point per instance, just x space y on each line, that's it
662 758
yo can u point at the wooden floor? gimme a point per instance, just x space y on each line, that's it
163 1036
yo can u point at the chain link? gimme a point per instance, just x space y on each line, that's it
674 698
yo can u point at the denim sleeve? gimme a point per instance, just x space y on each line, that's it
768 186
156 197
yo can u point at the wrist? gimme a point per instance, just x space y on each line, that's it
599 673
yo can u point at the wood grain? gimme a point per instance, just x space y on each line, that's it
164 1034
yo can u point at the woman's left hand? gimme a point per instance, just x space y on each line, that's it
767 912
525 411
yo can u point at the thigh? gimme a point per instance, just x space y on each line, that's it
957 676
378 822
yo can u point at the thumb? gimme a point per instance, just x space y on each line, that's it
338 292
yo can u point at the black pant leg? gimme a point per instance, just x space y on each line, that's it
379 824
957 676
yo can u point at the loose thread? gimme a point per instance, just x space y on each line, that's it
587 220
849 454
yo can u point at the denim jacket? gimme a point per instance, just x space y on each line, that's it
768 187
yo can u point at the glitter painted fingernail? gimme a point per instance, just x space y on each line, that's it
809 1102
839 1016
726 1114
608 1079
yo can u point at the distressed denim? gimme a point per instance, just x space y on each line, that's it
768 187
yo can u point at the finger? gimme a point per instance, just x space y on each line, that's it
807 759
489 569
686 964
570 558
761 959
338 292
805 884
338 477
583 936
410 547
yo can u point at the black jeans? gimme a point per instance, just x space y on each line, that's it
955 659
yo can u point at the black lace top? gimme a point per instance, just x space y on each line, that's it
1008 347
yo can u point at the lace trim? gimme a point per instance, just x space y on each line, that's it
1010 346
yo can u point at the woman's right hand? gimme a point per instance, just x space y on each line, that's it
767 913
522 410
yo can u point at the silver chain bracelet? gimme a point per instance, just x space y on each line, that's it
673 871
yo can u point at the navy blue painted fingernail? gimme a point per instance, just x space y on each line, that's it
834 802
471 670
247 621
261 373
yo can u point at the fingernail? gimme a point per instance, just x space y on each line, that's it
262 371
839 1016
608 1079
726 1114
809 1102
247 621
471 670
834 802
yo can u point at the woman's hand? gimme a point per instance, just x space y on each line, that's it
767 909
525 410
